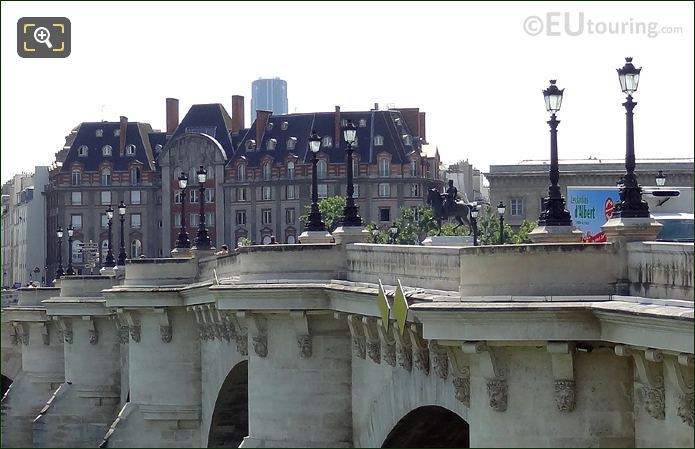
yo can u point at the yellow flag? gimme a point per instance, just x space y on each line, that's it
400 307
384 307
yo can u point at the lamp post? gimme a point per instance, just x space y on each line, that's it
121 253
182 241
71 232
315 221
110 262
59 271
500 211
394 233
202 240
474 223
660 179
631 204
555 213
350 214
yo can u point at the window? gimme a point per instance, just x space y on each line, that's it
267 216
242 194
384 189
267 171
117 132
269 126
210 219
363 123
384 167
104 219
283 126
104 249
193 196
177 220
135 249
194 219
355 168
177 196
106 177
416 212
209 195
211 172
76 221
356 191
250 145
289 216
76 177
130 150
291 143
413 167
106 150
343 123
241 217
270 144
407 139
291 193
378 140
323 190
326 142
517 207
105 198
176 173
267 193
241 173
76 255
321 169
290 170
291 239
385 214
414 190
100 133
135 221
76 198
135 197
135 176
82 151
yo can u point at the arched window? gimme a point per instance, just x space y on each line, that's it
321 169
104 249
135 176
291 143
106 177
130 150
290 170
135 249
250 145
291 239
326 142
384 167
241 172
407 139
76 177
270 145
266 240
267 171
106 150
378 140
413 167
82 151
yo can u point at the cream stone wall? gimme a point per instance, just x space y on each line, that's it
661 270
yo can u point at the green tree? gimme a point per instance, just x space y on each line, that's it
489 229
331 209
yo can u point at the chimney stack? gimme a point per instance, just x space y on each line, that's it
376 106
423 130
336 138
121 133
237 112
172 115
262 117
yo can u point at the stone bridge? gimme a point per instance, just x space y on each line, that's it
540 345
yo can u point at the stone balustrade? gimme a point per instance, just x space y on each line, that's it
661 270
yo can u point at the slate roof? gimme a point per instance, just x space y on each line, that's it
384 123
136 134
211 119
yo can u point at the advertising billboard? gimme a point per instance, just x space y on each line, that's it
591 208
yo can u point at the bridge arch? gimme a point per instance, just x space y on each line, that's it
230 417
429 426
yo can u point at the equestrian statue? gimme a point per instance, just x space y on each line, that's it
445 205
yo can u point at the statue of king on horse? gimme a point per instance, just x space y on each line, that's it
446 205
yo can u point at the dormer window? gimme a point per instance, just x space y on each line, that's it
250 145
117 132
130 150
378 140
106 150
158 147
269 126
284 126
407 139
326 142
291 143
270 145
100 133
343 123
363 123
82 151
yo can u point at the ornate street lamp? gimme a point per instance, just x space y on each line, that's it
474 223
71 232
394 233
315 221
202 240
59 271
110 262
350 214
660 179
182 241
631 204
121 253
500 211
554 213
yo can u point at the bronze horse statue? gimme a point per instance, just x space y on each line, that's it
460 210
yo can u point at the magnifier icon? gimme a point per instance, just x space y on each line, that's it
43 36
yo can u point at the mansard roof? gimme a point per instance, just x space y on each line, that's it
389 124
211 119
137 134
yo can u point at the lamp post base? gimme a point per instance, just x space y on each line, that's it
107 271
181 252
309 237
555 234
622 229
351 234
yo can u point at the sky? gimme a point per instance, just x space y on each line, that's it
476 69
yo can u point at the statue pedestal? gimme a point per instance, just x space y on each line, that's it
351 234
308 237
555 234
448 240
631 229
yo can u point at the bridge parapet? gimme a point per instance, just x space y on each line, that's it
661 270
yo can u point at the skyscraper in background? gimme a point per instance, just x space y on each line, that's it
269 94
